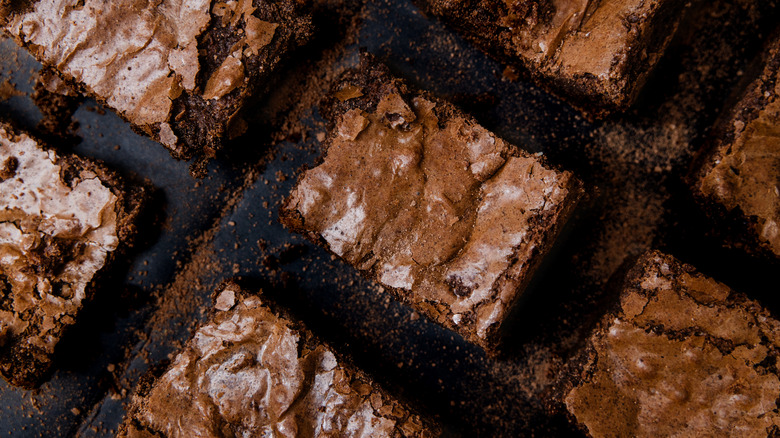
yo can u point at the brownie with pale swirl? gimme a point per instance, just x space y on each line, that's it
63 221
681 355
442 212
249 371
178 71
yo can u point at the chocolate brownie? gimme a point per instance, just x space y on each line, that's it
594 54
419 196
737 176
63 220
180 72
250 371
683 355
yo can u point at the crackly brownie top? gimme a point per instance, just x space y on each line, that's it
249 372
684 356
433 205
58 223
573 39
588 34
139 55
746 174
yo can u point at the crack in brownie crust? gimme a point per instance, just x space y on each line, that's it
434 206
250 372
684 356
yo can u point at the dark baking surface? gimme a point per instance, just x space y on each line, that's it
226 224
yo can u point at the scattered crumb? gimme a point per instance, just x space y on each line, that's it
8 90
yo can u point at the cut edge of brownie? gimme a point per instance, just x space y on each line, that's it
27 366
739 230
581 353
57 100
374 79
10 7
309 340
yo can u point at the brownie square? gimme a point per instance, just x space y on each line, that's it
682 355
178 71
595 55
249 371
63 220
736 178
418 196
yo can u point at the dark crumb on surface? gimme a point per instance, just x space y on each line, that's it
58 101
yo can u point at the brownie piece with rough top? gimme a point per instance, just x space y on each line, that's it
63 221
736 177
682 355
420 197
249 371
594 54
178 71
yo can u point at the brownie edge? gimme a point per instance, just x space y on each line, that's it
180 72
250 371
